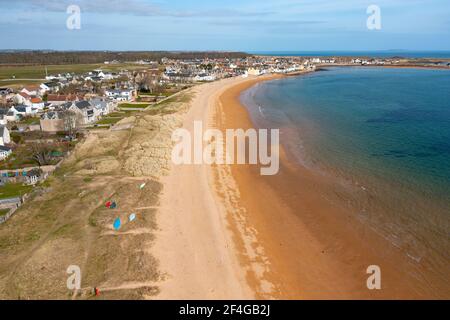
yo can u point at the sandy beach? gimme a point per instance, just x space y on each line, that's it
226 232
194 246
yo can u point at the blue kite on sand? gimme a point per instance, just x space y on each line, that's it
116 224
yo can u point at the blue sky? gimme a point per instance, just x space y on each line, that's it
245 25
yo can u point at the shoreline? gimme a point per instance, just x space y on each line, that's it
312 247
226 232
386 66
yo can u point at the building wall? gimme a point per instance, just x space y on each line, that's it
6 136
5 139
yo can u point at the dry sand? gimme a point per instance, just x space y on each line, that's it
194 246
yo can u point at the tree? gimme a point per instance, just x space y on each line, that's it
139 82
144 81
41 153
70 121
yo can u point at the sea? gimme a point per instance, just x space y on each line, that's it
386 132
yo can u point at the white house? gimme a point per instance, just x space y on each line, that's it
120 95
34 176
49 86
253 72
204 77
102 107
3 120
5 152
85 110
4 136
31 91
37 104
22 110
22 98
12 116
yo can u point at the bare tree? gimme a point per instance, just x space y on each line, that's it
144 81
153 84
41 153
139 82
70 121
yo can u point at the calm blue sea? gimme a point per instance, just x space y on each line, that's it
375 54
386 131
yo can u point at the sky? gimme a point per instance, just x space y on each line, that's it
231 25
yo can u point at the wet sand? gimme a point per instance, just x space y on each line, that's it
294 234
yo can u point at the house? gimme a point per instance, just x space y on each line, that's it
253 72
12 116
120 95
4 136
22 98
102 107
33 176
178 76
56 99
6 94
84 109
204 77
3 120
22 110
37 104
5 152
59 99
30 90
87 110
5 91
49 87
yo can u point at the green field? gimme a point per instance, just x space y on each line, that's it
30 120
134 106
38 72
13 83
26 74
3 212
109 120
115 117
165 94
12 190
